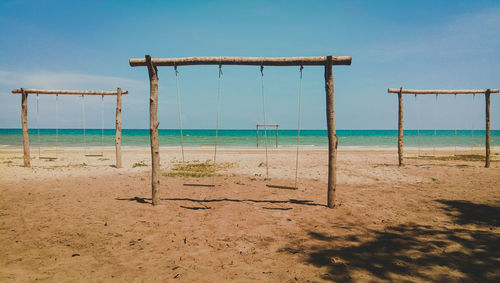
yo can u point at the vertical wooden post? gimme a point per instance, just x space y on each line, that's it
276 136
487 97
118 136
400 128
332 136
153 130
24 122
257 126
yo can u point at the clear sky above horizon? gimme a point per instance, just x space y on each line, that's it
414 44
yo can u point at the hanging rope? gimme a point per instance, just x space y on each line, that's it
473 117
83 124
298 129
57 121
456 114
102 124
435 126
418 124
38 122
217 120
179 108
264 114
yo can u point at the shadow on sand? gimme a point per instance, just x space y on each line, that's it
201 201
413 252
464 212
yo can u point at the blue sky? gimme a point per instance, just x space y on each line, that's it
414 44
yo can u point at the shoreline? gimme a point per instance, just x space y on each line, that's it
281 147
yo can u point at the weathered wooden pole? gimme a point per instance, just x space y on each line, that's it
400 128
249 61
118 136
153 130
332 136
487 97
24 122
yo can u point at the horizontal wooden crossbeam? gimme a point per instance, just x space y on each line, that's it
66 92
437 91
254 61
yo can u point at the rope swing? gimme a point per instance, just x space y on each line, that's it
418 124
83 125
85 130
217 120
38 122
102 125
435 126
298 129
179 107
38 129
179 110
455 118
473 117
264 114
295 187
57 122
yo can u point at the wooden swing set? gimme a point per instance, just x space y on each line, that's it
402 91
326 61
24 119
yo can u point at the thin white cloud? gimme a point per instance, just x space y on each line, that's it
51 80
465 35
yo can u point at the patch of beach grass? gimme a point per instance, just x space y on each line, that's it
14 157
464 157
139 164
78 165
196 169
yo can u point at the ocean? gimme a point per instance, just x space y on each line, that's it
12 138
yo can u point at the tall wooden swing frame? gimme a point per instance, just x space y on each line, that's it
402 91
326 61
24 116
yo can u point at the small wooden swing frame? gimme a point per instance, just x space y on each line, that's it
402 91
24 116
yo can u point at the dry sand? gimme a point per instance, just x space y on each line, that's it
78 218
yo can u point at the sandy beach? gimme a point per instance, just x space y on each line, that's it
79 218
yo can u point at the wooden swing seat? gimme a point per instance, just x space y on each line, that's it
282 187
47 157
199 185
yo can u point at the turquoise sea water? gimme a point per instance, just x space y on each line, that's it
12 138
